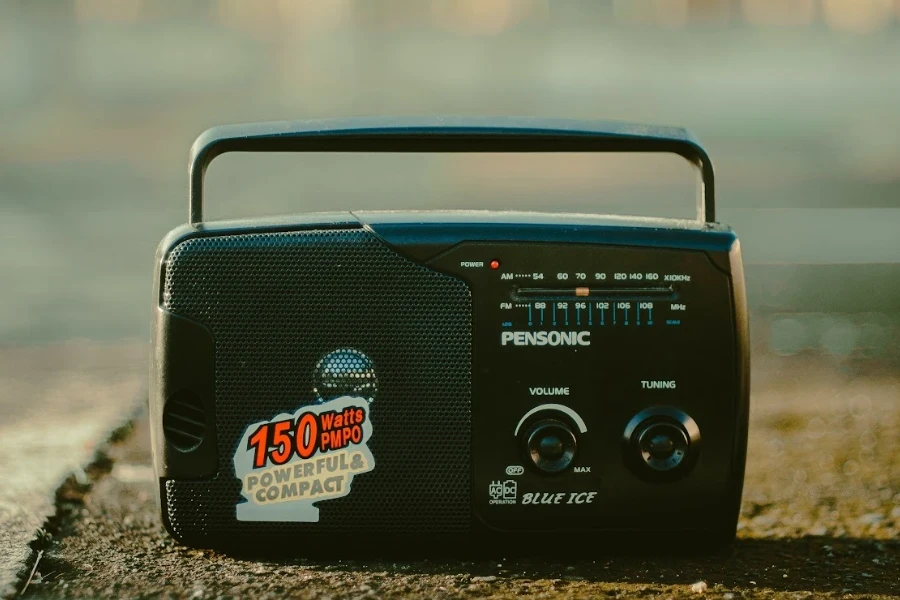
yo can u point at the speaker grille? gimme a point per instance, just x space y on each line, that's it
276 304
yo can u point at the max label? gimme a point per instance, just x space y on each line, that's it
293 461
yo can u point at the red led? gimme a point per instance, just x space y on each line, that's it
495 264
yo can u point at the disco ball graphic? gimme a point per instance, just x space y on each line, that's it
345 372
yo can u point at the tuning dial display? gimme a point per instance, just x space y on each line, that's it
661 444
550 445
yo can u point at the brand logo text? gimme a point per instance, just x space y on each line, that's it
545 338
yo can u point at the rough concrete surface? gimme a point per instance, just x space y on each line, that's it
56 403
821 517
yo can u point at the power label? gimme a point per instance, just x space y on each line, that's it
290 462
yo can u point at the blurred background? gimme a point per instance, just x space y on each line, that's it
797 101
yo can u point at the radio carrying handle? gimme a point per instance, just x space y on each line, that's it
448 134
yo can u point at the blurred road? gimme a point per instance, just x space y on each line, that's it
57 404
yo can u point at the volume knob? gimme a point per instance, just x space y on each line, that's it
550 444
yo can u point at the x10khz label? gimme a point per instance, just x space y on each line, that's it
559 498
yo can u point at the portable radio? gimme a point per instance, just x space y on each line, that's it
467 379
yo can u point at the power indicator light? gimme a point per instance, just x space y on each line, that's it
495 264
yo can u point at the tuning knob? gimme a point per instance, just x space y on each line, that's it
661 444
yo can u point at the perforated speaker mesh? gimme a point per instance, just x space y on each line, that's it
276 304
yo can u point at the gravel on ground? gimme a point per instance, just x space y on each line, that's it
820 518
57 401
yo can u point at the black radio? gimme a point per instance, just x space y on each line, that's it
359 379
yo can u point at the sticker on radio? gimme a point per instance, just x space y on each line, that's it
289 463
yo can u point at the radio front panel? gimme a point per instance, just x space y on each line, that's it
576 340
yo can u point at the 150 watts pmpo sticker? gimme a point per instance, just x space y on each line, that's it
293 461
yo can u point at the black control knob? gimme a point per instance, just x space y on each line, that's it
550 444
661 444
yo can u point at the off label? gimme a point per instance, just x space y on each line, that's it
290 462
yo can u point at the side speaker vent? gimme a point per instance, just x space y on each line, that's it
184 421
